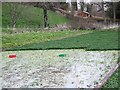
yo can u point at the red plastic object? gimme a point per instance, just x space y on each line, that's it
12 56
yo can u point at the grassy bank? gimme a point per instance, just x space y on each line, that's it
97 40
13 40
29 16
113 82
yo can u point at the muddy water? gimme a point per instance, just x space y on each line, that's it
46 68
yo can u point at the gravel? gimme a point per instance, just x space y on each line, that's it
46 69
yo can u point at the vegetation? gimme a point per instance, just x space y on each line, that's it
0 15
30 16
98 40
114 6
113 82
12 40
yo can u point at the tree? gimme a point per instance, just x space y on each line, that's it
15 12
103 10
70 5
114 10
45 16
89 7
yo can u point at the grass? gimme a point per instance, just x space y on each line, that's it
30 16
13 40
113 82
0 15
97 40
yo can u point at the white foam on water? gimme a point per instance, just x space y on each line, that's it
42 68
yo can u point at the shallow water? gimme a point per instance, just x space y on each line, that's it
45 68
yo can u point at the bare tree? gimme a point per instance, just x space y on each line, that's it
70 5
103 11
114 12
15 12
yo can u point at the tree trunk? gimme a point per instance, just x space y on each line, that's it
104 16
114 12
45 16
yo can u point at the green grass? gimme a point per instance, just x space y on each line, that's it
30 16
12 40
113 82
98 40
